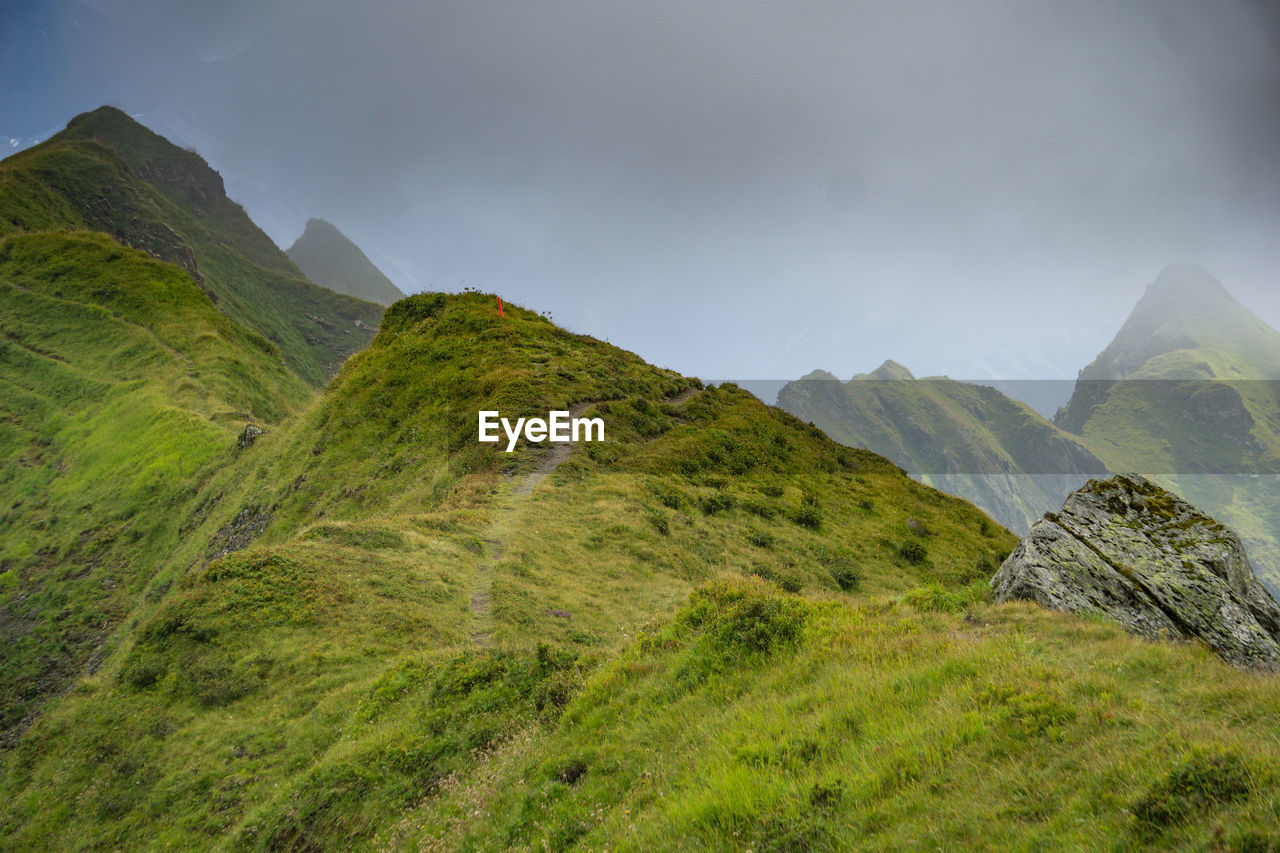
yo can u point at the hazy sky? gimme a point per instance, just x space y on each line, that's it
727 188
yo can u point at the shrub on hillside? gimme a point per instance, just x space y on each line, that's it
913 552
744 619
716 502
1197 784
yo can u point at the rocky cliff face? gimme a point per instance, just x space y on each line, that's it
1129 550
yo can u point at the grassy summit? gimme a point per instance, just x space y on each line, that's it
387 546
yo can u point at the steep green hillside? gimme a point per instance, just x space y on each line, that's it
966 439
260 695
121 389
759 721
1186 394
718 628
330 259
108 173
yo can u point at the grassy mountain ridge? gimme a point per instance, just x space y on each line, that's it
329 258
108 173
717 627
966 439
121 389
366 570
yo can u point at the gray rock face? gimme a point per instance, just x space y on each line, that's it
1129 550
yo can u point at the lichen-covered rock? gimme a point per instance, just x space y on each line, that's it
249 436
1127 549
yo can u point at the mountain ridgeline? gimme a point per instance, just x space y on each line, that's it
370 541
965 439
1185 394
328 258
356 627
107 173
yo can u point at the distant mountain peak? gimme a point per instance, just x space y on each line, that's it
890 370
1182 293
1185 326
1184 308
324 227
824 375
331 259
1187 279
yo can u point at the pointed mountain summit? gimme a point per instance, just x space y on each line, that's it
889 371
329 258
1186 308
1185 326
106 172
1185 394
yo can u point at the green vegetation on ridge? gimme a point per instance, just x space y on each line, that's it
372 571
121 389
108 173
717 628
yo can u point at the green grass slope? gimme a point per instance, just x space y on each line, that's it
717 629
108 173
755 720
273 695
330 259
966 439
121 389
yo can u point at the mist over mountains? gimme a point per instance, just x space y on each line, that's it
1184 394
1010 175
261 587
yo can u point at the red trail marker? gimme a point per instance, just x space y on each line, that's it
500 314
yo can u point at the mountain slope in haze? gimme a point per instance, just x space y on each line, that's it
105 172
121 389
1186 394
716 628
966 439
328 258
1185 311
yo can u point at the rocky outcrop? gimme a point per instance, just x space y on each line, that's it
1129 550
249 436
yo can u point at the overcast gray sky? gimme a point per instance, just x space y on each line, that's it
980 189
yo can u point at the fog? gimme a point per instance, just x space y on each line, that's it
756 190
